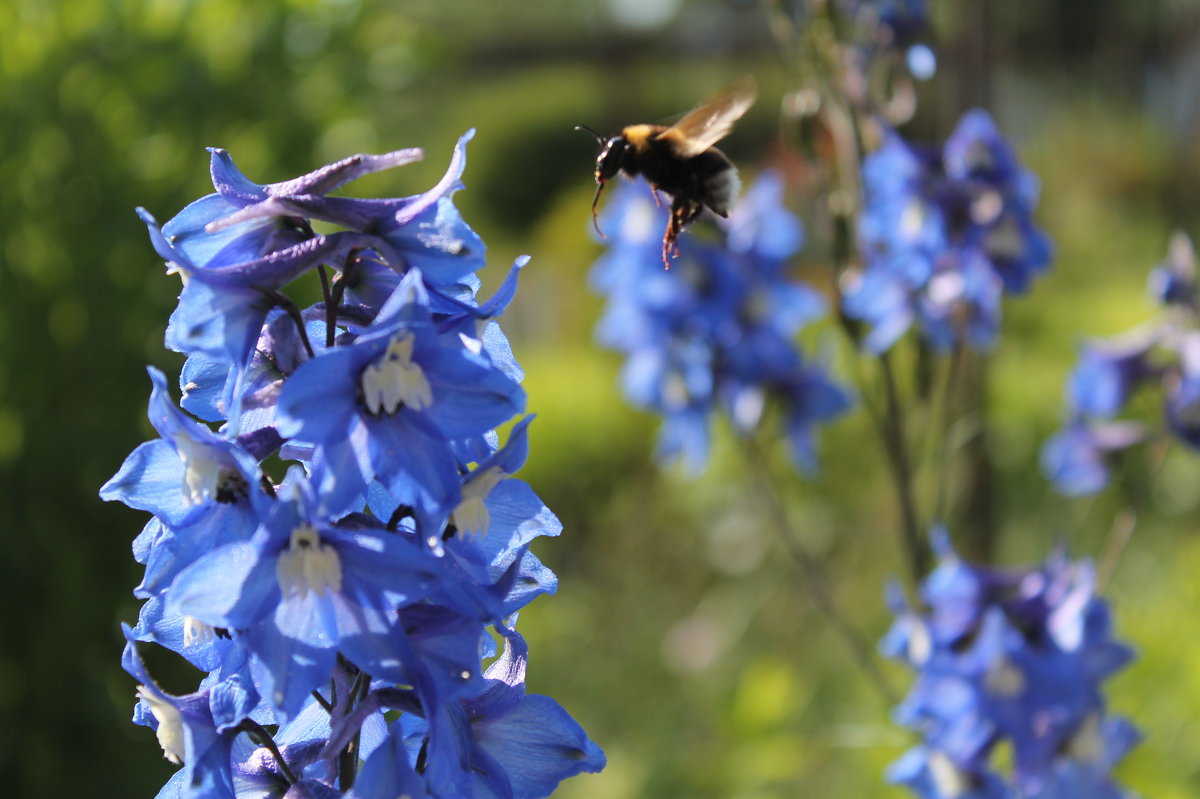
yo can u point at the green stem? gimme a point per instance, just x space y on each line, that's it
899 460
812 576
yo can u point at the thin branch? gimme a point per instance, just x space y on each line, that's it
285 302
812 575
896 446
263 738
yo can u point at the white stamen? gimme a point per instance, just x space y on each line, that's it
948 779
912 219
394 380
986 208
674 391
196 631
308 565
202 472
472 345
920 642
946 288
471 515
177 269
170 724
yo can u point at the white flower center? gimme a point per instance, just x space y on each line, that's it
206 476
948 779
471 515
675 393
920 642
196 631
170 724
308 565
201 470
394 379
912 219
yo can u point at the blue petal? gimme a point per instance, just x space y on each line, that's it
319 400
232 586
387 774
540 745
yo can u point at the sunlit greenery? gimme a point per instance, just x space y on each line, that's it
680 638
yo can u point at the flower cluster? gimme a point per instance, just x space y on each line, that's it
343 609
1013 658
718 328
1163 355
944 232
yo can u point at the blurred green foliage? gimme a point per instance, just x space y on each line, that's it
680 638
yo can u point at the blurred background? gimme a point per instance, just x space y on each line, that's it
680 638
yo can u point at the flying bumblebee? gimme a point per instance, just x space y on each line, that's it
679 160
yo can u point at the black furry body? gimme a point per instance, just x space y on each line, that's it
694 182
680 160
699 180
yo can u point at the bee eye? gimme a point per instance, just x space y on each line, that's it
608 163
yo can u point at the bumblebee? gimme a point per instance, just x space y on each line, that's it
680 160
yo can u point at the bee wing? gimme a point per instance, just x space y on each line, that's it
711 121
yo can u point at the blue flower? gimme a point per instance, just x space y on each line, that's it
1007 656
718 329
944 232
512 745
186 731
1076 458
1173 282
1161 357
304 589
390 406
368 580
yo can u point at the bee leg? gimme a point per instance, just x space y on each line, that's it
682 212
595 203
654 194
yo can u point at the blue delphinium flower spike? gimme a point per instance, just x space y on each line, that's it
945 233
373 578
1160 357
716 331
1015 657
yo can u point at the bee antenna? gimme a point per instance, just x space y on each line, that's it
590 132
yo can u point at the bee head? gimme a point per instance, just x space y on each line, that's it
608 163
611 156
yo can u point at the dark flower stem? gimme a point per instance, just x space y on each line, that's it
348 759
842 118
285 302
330 307
895 444
812 576
262 737
322 701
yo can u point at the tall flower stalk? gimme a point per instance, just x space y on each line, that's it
337 536
925 244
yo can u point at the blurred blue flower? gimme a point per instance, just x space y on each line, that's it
944 233
1160 357
1015 657
717 330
